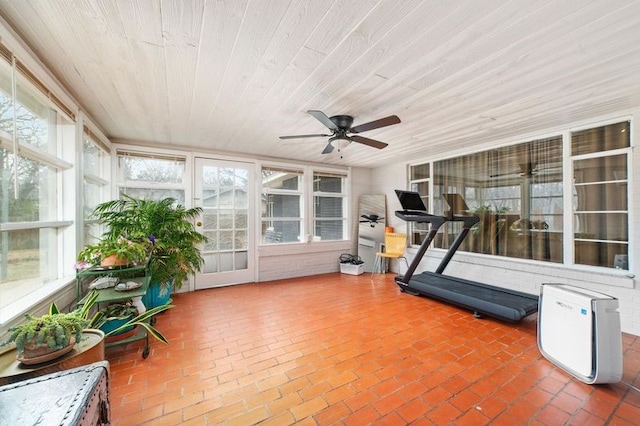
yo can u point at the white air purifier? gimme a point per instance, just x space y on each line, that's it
579 331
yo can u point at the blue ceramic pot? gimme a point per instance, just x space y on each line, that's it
112 324
157 294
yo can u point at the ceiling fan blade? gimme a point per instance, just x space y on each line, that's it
328 149
322 117
303 136
376 124
369 142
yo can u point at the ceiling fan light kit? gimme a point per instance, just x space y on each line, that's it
341 130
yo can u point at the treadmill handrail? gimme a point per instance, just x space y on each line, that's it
468 222
436 223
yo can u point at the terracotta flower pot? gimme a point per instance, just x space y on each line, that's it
35 353
113 260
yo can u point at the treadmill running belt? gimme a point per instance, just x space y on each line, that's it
496 302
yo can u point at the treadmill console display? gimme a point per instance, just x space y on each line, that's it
410 200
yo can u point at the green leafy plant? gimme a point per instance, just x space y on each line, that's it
133 251
175 253
117 311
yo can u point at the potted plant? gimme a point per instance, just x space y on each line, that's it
50 336
175 252
135 318
114 316
118 251
129 313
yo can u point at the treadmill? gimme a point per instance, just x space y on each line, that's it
482 299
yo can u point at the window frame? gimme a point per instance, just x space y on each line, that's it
308 195
570 242
342 195
300 193
184 186
568 239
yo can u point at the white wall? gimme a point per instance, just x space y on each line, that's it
298 260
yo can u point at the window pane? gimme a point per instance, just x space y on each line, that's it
225 219
328 229
32 119
596 253
154 194
601 169
210 263
212 241
27 261
281 231
419 172
603 138
327 183
281 179
92 197
37 195
6 100
242 260
133 168
517 193
226 240
92 157
277 205
241 219
226 262
328 207
598 197
240 240
602 226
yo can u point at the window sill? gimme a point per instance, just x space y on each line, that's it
36 300
602 276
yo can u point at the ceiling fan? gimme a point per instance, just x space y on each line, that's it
340 126
371 219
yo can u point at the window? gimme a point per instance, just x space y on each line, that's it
151 176
518 193
329 206
600 195
287 193
37 149
281 205
96 182
419 182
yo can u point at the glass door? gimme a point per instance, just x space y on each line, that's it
224 190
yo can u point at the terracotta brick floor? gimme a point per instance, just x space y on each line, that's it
337 349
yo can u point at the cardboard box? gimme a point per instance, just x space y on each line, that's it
351 269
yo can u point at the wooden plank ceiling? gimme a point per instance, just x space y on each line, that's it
233 75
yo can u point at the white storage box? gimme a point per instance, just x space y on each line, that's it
351 269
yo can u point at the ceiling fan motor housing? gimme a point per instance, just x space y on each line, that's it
342 121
